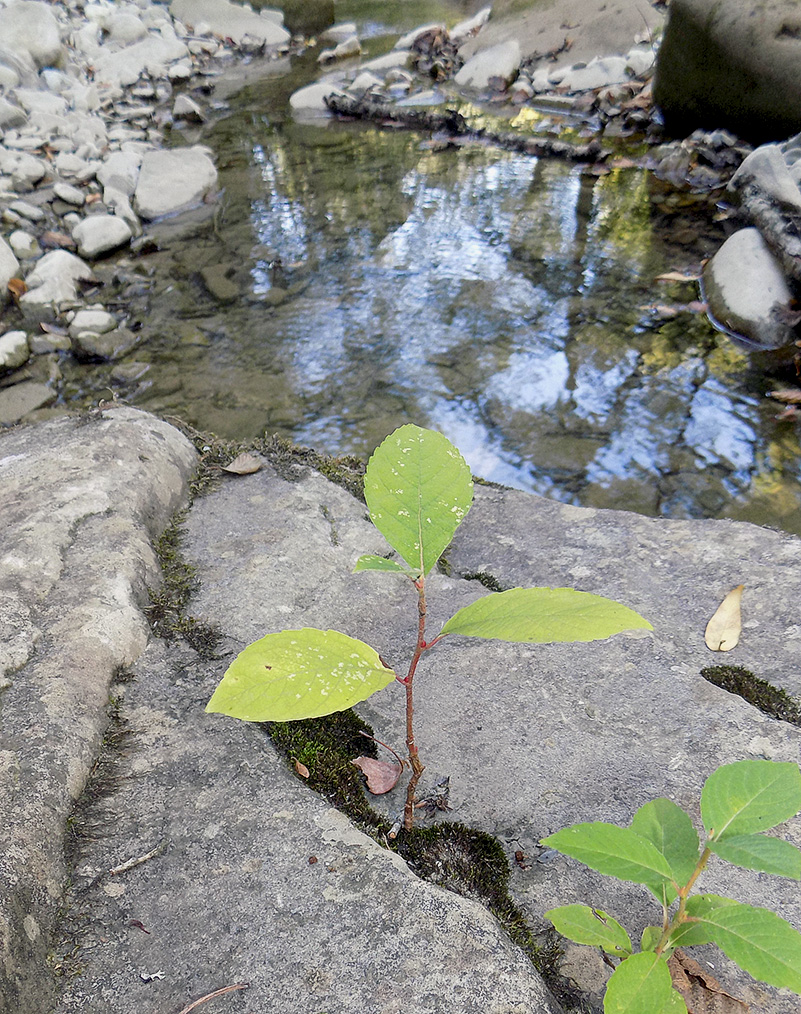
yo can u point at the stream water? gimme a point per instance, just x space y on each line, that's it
511 302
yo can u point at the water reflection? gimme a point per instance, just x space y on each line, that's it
507 301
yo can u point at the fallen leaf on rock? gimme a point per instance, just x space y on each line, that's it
243 464
789 395
17 288
301 769
57 239
676 276
701 991
381 775
52 328
723 630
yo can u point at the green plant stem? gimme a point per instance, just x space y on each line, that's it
684 892
414 759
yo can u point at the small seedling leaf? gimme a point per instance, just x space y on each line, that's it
418 488
591 926
759 941
749 796
370 562
723 630
759 852
299 674
544 616
640 983
381 775
616 851
651 936
669 828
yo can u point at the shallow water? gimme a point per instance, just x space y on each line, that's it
512 303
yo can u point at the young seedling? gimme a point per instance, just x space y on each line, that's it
418 489
661 850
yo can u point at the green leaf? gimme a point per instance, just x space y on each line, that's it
299 674
591 926
750 795
759 852
669 828
651 936
675 1004
697 932
639 985
616 851
544 615
371 562
418 488
759 941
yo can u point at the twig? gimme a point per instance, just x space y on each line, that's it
400 760
129 865
210 996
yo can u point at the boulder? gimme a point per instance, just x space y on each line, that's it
171 181
9 268
14 350
82 505
310 100
230 20
100 234
16 402
29 27
152 55
53 282
746 291
499 63
723 63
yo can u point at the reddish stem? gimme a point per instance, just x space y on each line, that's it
414 759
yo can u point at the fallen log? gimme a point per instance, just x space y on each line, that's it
454 124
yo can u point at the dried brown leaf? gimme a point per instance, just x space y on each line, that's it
789 395
701 991
57 239
723 630
17 288
381 775
243 464
301 769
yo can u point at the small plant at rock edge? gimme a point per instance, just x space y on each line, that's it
661 850
418 489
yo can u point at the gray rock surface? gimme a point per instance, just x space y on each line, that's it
723 63
745 288
100 234
230 19
81 504
53 282
14 350
173 181
500 62
20 399
30 26
536 738
9 268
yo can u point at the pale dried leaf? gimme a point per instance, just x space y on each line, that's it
17 287
701 991
723 630
243 464
301 769
381 775
789 395
676 276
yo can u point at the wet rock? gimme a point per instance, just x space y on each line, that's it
766 167
20 399
9 268
398 58
152 55
640 61
339 33
746 290
472 25
53 281
364 82
108 346
14 350
29 27
185 108
124 28
92 319
100 234
722 62
215 278
173 181
49 341
311 98
501 61
408 40
229 20
121 170
24 169
344 51
129 373
11 115
181 71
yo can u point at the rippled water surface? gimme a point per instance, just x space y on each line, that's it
512 303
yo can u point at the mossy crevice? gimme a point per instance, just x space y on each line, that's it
770 700
489 582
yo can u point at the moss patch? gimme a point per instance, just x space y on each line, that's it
763 695
490 582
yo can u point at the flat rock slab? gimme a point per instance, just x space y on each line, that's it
81 501
537 737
